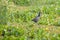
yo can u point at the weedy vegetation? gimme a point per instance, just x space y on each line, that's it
16 20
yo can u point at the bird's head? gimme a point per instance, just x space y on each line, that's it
39 13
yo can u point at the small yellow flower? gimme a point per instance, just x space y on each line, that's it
46 29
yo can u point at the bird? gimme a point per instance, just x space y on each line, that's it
36 18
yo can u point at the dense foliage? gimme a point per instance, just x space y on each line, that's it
22 2
16 19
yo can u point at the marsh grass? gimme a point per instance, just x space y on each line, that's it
18 19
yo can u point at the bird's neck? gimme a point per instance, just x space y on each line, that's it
39 15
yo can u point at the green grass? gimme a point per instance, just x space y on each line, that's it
18 18
33 31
